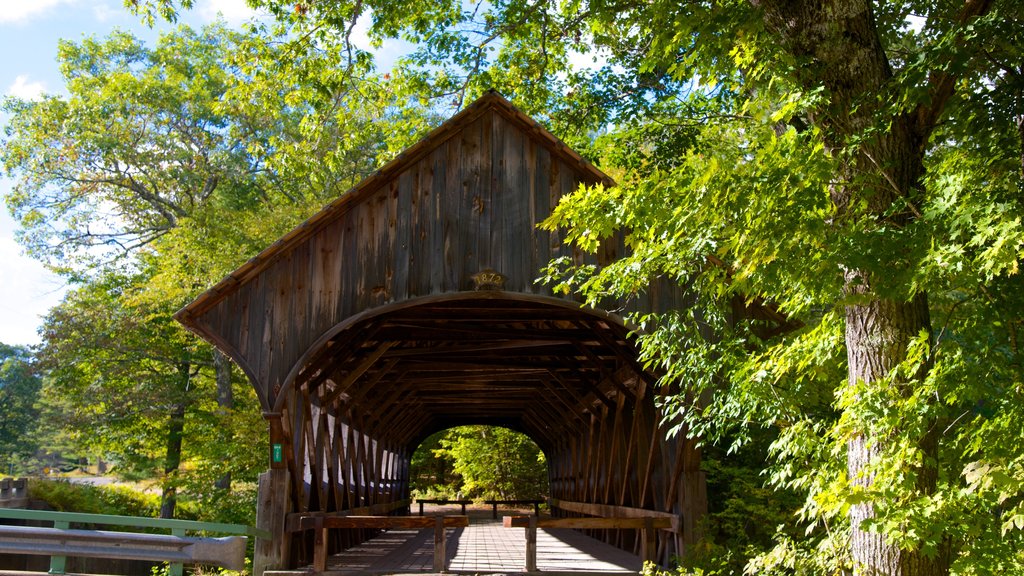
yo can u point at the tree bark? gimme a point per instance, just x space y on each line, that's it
175 435
225 404
172 461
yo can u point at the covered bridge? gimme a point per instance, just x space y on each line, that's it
409 305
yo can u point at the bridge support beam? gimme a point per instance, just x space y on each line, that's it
271 512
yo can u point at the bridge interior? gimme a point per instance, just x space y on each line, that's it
566 377
484 547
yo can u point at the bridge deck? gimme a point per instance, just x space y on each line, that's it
483 548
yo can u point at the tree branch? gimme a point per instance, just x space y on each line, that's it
942 83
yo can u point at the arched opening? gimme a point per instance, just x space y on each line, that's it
379 385
478 462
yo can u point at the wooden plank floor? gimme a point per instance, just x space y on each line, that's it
483 548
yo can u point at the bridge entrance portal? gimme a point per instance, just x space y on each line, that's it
409 305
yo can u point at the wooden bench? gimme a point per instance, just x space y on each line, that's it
442 502
322 523
646 525
494 503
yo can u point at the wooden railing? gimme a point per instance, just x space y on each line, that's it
322 523
462 503
647 526
293 520
177 548
494 505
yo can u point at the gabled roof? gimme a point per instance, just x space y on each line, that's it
489 101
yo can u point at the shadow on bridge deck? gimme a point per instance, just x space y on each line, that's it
483 548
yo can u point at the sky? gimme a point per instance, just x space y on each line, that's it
29 31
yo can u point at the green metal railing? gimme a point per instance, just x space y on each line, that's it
176 528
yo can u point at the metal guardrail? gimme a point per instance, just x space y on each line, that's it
177 548
227 552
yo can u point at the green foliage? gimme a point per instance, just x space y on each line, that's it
745 517
481 462
19 392
430 472
118 368
495 463
165 168
65 496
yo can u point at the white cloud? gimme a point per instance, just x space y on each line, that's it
233 11
27 292
26 90
103 12
22 10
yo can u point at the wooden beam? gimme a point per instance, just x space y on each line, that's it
624 522
310 522
358 371
611 511
495 346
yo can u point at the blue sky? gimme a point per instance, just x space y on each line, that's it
29 31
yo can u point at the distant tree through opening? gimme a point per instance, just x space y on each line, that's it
479 462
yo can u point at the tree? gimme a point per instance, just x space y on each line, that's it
165 168
496 463
853 166
480 462
19 391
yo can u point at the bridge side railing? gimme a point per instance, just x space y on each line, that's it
442 502
177 548
322 523
600 517
494 505
647 526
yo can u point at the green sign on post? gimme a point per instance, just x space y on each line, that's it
277 453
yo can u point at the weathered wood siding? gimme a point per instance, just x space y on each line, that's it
471 202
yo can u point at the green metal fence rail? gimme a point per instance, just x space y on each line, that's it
180 528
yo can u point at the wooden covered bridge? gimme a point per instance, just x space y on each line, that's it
410 305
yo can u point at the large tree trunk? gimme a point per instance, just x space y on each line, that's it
838 43
878 334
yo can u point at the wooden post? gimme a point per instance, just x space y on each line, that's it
531 545
271 510
494 513
440 546
421 508
649 541
320 546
